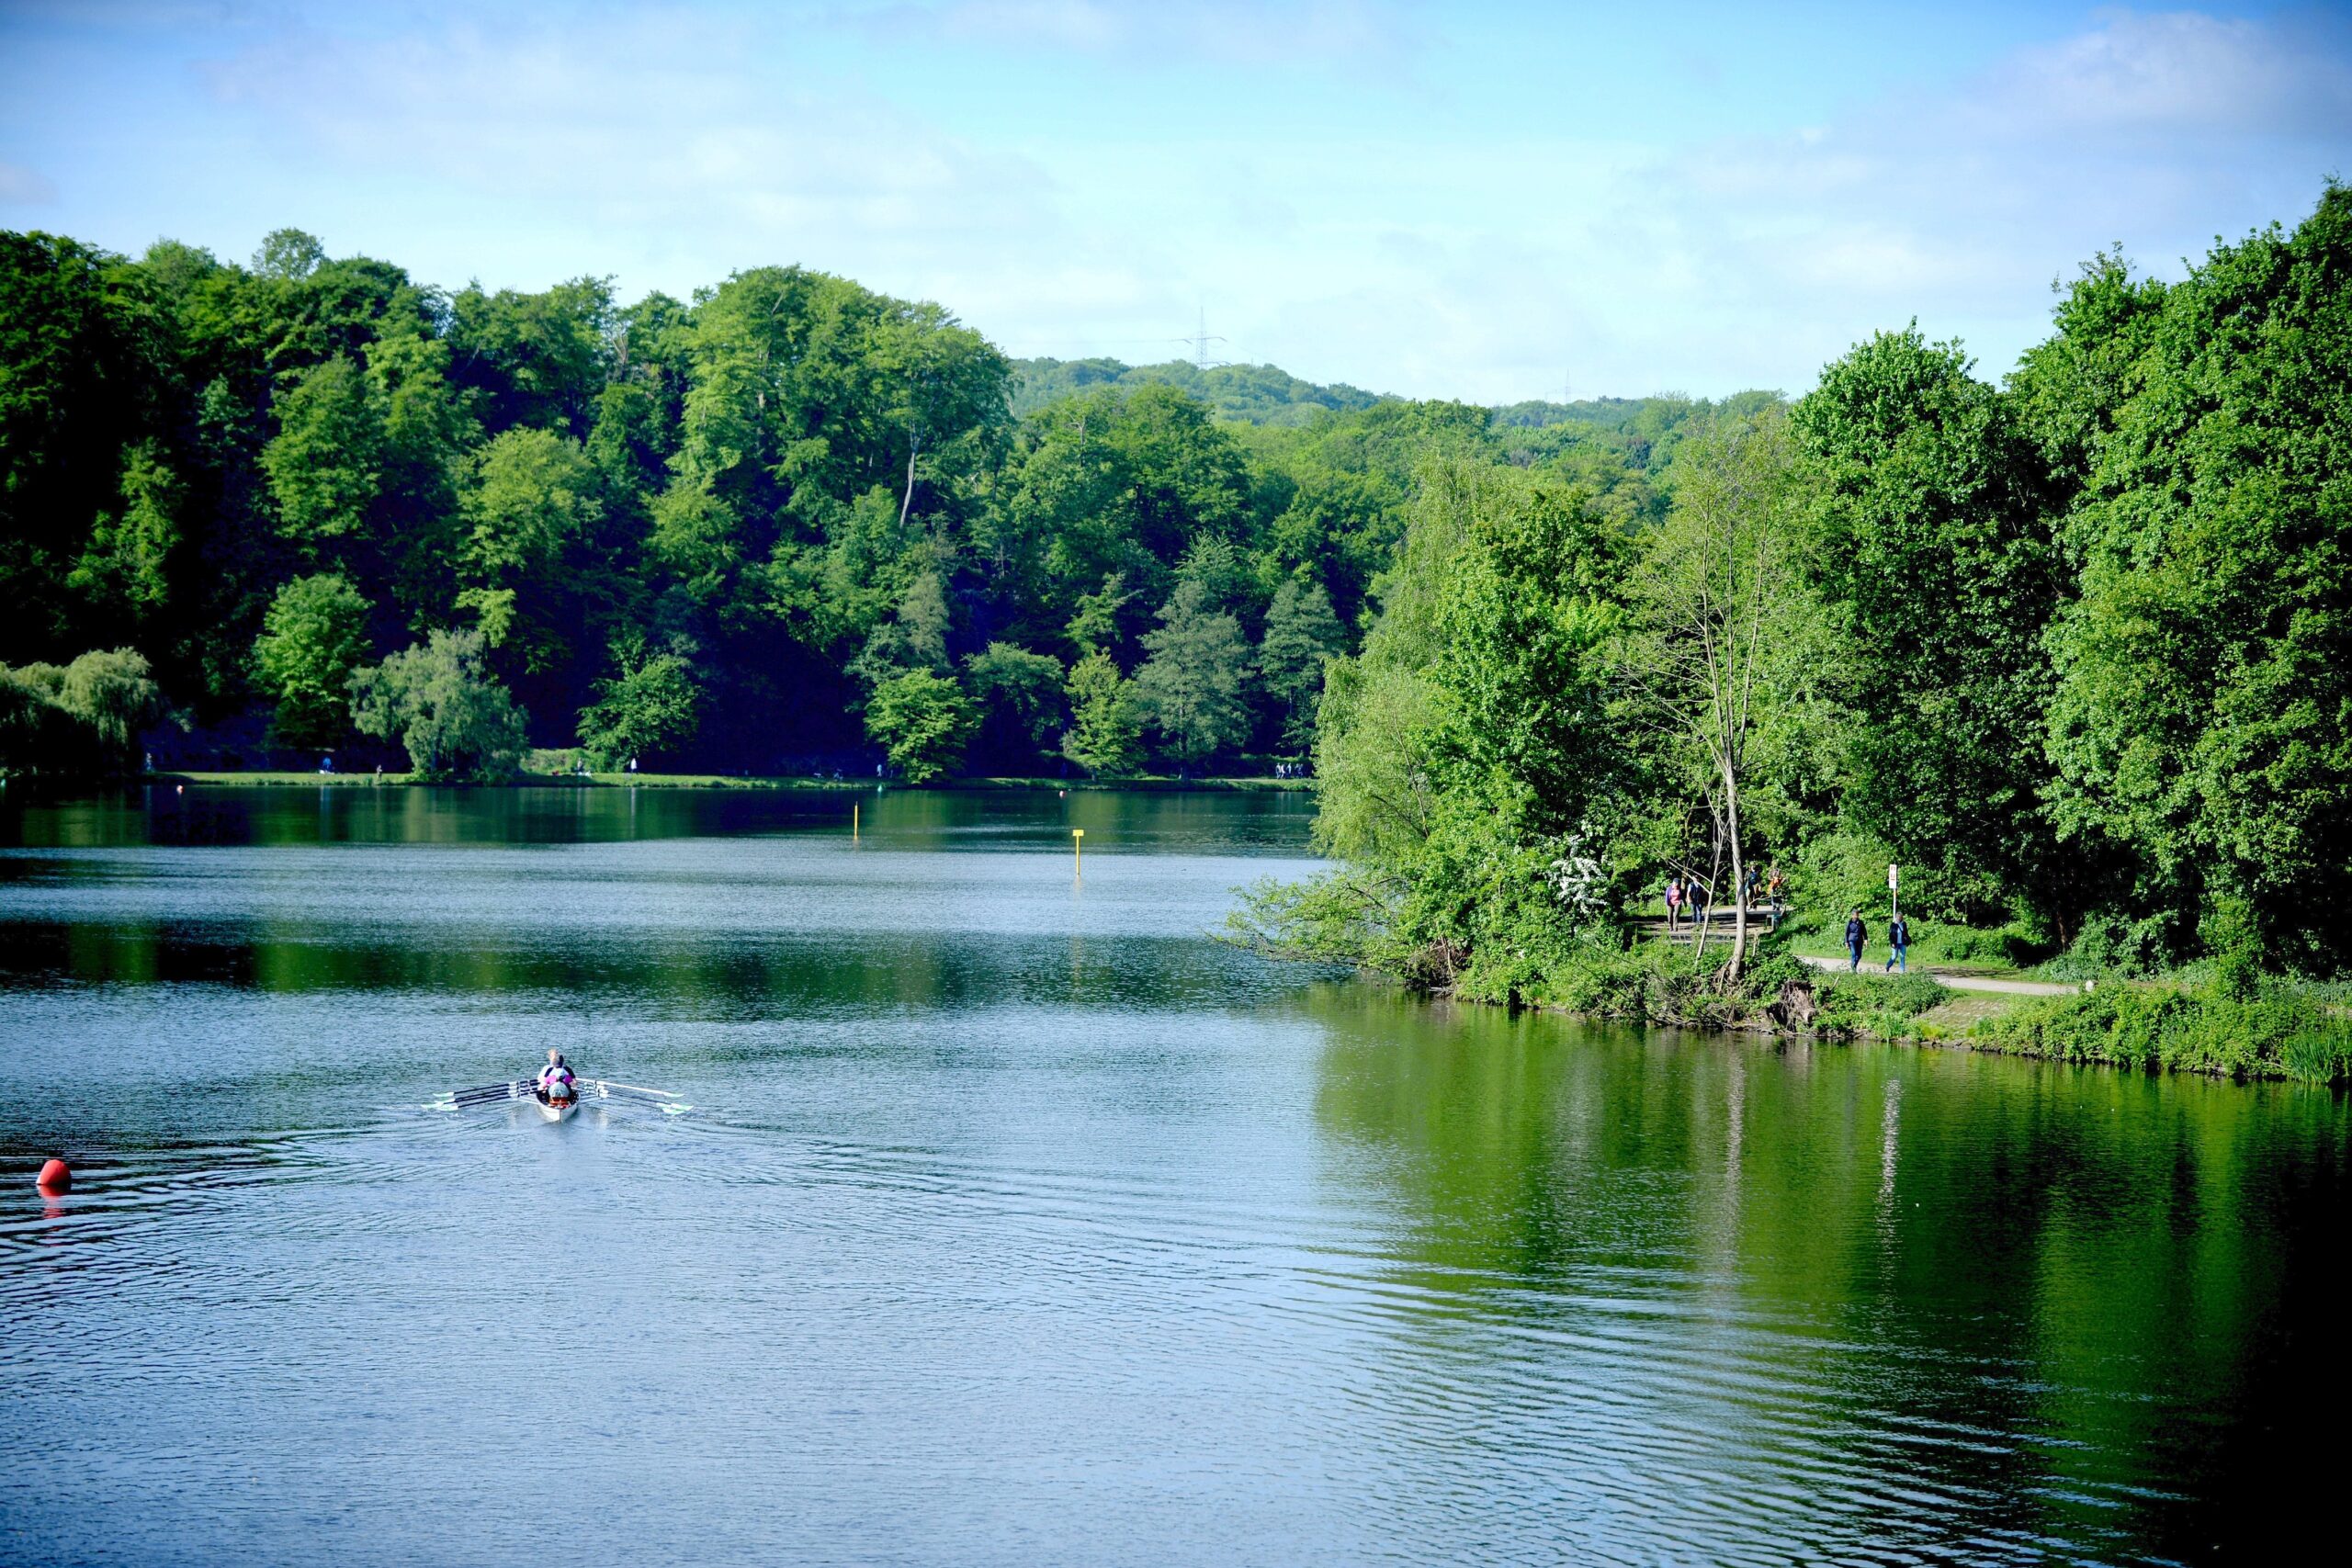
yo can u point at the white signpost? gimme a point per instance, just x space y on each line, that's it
1893 891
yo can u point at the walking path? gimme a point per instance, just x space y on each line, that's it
1959 982
1720 930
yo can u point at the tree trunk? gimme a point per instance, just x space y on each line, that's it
914 444
1738 876
1715 876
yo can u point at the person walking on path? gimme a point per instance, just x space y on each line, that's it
1748 881
1899 937
1673 902
1854 938
1775 885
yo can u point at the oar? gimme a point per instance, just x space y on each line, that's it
669 1103
468 1098
609 1085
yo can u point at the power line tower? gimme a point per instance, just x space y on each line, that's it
1199 344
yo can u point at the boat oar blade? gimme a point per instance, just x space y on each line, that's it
487 1094
608 1090
667 1100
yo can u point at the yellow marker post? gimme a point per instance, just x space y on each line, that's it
1078 850
852 821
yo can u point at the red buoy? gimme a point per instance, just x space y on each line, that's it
56 1176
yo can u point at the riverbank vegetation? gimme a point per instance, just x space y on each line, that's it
2075 651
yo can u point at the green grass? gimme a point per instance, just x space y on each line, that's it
2001 954
2282 1030
278 778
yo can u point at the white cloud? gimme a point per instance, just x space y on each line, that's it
1266 33
2179 73
25 187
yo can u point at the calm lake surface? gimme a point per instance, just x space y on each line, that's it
1017 1222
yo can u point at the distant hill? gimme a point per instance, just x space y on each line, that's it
1259 394
1269 395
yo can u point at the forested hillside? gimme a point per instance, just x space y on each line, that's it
1258 394
787 523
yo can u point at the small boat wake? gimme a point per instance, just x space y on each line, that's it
558 1101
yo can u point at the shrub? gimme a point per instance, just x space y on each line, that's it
457 722
2275 1031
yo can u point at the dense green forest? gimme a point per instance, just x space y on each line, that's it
2075 651
788 523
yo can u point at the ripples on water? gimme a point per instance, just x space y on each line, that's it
1018 1222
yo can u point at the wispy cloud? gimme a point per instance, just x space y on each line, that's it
644 122
25 187
1266 33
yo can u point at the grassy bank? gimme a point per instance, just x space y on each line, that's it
2264 1028
2277 1030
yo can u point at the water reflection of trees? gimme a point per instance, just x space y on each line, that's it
722 976
2048 1297
903 818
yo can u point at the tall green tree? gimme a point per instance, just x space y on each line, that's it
922 721
1105 734
534 497
126 566
315 640
1302 634
1190 684
1712 606
86 385
2202 715
1021 692
648 706
1930 552
1109 483
325 463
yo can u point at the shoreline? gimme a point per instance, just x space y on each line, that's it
1977 1008
260 779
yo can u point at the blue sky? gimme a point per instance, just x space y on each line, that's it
1486 202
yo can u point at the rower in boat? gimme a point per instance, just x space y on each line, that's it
557 1092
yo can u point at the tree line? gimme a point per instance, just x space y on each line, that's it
2075 650
786 522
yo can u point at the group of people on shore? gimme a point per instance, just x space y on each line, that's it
1688 899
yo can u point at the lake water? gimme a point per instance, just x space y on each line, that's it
1017 1222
